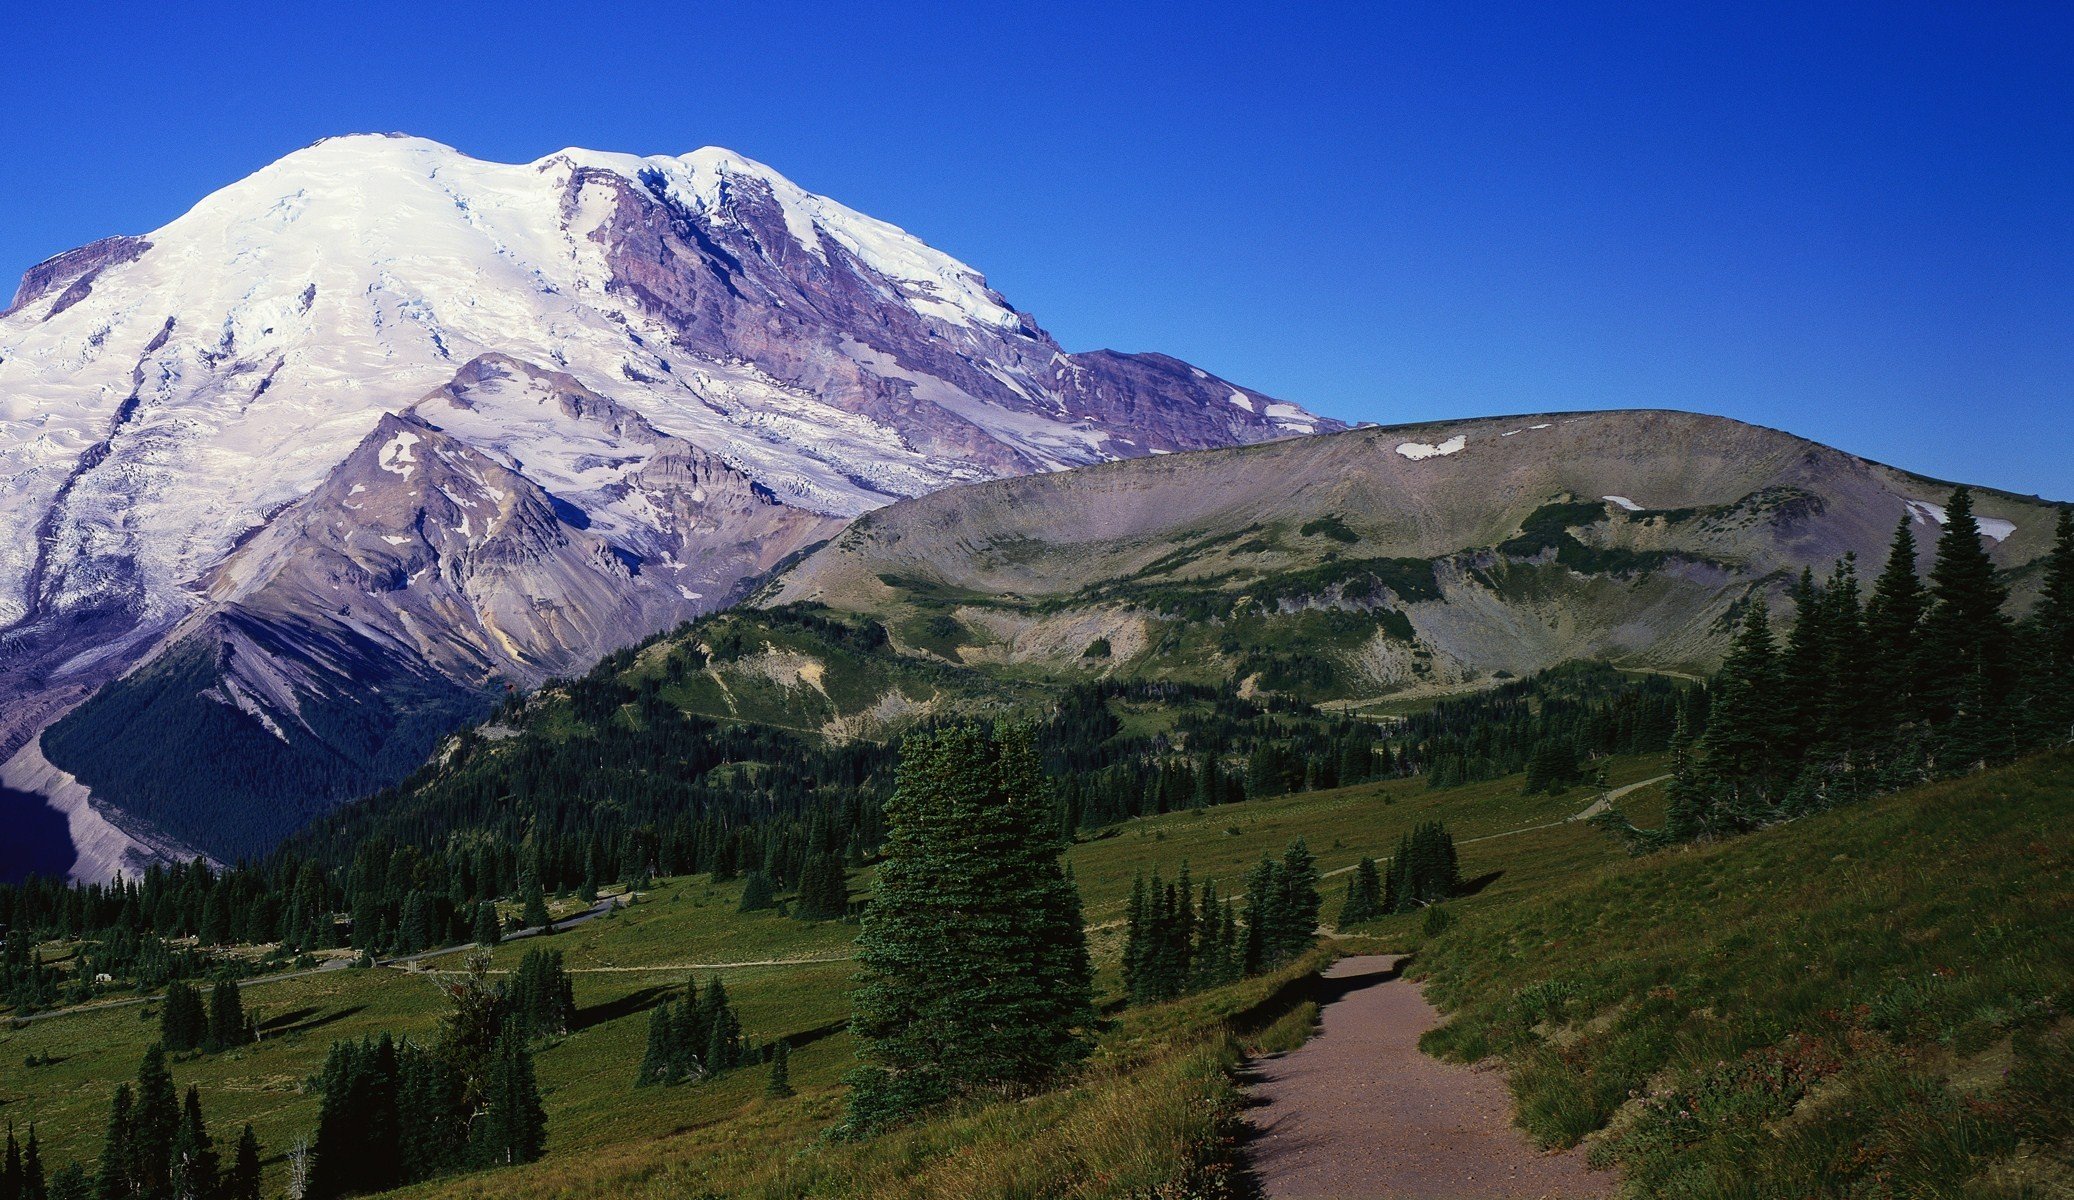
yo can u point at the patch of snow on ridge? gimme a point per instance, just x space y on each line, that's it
1624 502
1990 527
1239 398
395 456
1418 450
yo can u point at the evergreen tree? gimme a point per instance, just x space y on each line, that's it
227 1025
513 1126
720 1046
1744 730
540 996
1893 624
976 973
32 1169
534 913
194 1167
2050 692
1364 895
757 893
155 1126
658 1061
34 1186
243 1180
780 1085
70 1182
117 1179
488 931
1687 812
183 1021
11 1168
1967 667
1424 870
1553 767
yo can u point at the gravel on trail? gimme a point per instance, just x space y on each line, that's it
1359 1111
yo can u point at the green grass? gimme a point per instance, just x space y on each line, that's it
1869 1002
622 963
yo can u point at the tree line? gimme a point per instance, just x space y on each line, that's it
1869 693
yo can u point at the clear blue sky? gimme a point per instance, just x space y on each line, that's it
1855 222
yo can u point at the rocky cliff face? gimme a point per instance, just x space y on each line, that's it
633 382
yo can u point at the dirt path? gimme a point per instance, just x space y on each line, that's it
1604 802
1358 1111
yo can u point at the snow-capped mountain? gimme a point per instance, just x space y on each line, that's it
380 401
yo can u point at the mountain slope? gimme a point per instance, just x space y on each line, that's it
697 365
1380 560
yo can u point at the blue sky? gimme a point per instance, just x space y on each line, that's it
1855 222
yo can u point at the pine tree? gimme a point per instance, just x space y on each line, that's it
183 1022
757 893
11 1168
117 1178
155 1126
194 1168
488 931
227 1025
513 1125
1893 625
657 1062
33 1185
2051 689
534 906
780 1085
1686 808
70 1182
1803 677
1967 664
243 1180
1364 895
976 973
1743 730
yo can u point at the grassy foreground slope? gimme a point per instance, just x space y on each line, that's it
1871 1002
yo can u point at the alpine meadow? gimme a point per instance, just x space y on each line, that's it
614 674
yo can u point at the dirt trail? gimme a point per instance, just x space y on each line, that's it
1358 1111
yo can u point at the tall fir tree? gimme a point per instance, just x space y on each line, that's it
1893 628
2050 690
976 973
195 1170
1743 722
34 1186
156 1125
512 1128
1364 895
1967 665
243 1180
780 1085
227 1026
117 1178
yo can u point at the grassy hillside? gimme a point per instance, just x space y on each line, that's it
792 982
1873 1002
1380 561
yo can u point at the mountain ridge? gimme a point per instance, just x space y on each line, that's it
172 400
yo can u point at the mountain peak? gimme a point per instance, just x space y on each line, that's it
698 364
